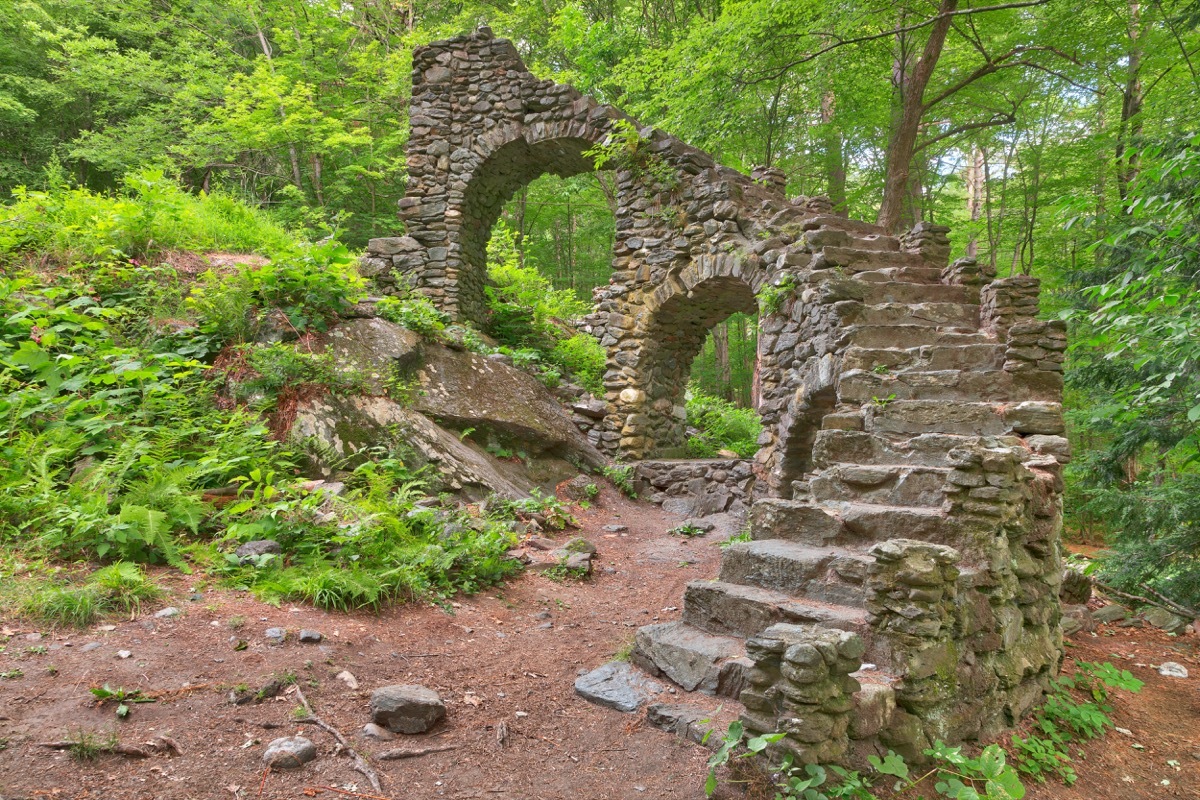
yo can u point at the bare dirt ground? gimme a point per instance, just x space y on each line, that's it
504 661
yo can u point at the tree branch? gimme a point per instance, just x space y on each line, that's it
1002 118
840 42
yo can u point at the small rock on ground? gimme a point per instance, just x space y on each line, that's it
168 612
1172 669
406 708
347 678
289 752
310 636
373 731
275 635
260 547
617 685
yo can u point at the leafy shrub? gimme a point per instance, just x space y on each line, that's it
722 426
414 311
150 213
582 356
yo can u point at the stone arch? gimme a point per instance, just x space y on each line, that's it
677 320
495 180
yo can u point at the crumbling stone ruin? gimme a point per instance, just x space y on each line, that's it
900 584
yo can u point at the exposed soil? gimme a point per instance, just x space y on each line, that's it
517 726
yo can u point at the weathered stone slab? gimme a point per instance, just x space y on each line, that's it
617 685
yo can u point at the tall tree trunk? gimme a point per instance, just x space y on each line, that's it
835 159
906 123
975 182
1132 100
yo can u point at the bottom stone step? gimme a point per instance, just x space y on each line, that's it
694 659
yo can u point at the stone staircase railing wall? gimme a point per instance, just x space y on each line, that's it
900 584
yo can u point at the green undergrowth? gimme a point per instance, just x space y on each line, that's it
1076 710
133 418
721 425
531 320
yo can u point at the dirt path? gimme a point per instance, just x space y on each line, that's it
504 662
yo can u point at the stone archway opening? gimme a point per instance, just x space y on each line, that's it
674 338
490 188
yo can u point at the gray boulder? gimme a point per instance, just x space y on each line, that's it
406 708
467 390
289 752
259 547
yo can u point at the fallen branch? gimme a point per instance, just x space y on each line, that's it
1190 613
396 755
1133 597
360 763
114 747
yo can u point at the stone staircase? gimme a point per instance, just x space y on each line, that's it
922 377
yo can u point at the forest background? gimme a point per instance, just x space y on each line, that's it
1055 138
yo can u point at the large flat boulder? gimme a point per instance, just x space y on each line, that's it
466 390
378 350
349 426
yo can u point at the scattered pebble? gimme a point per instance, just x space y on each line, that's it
167 613
522 714
347 678
308 636
123 654
616 528
89 647
275 635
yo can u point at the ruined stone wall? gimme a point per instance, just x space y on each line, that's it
900 585
699 487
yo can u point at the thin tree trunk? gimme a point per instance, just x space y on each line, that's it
292 154
906 125
720 337
975 185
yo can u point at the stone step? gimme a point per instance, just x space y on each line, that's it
879 243
911 273
987 356
828 574
858 386
851 226
878 523
730 609
862 448
890 485
935 416
936 315
692 658
795 521
903 292
855 259
905 337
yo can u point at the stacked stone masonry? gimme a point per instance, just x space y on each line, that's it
900 584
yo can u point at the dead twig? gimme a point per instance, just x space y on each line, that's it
314 789
396 755
360 763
